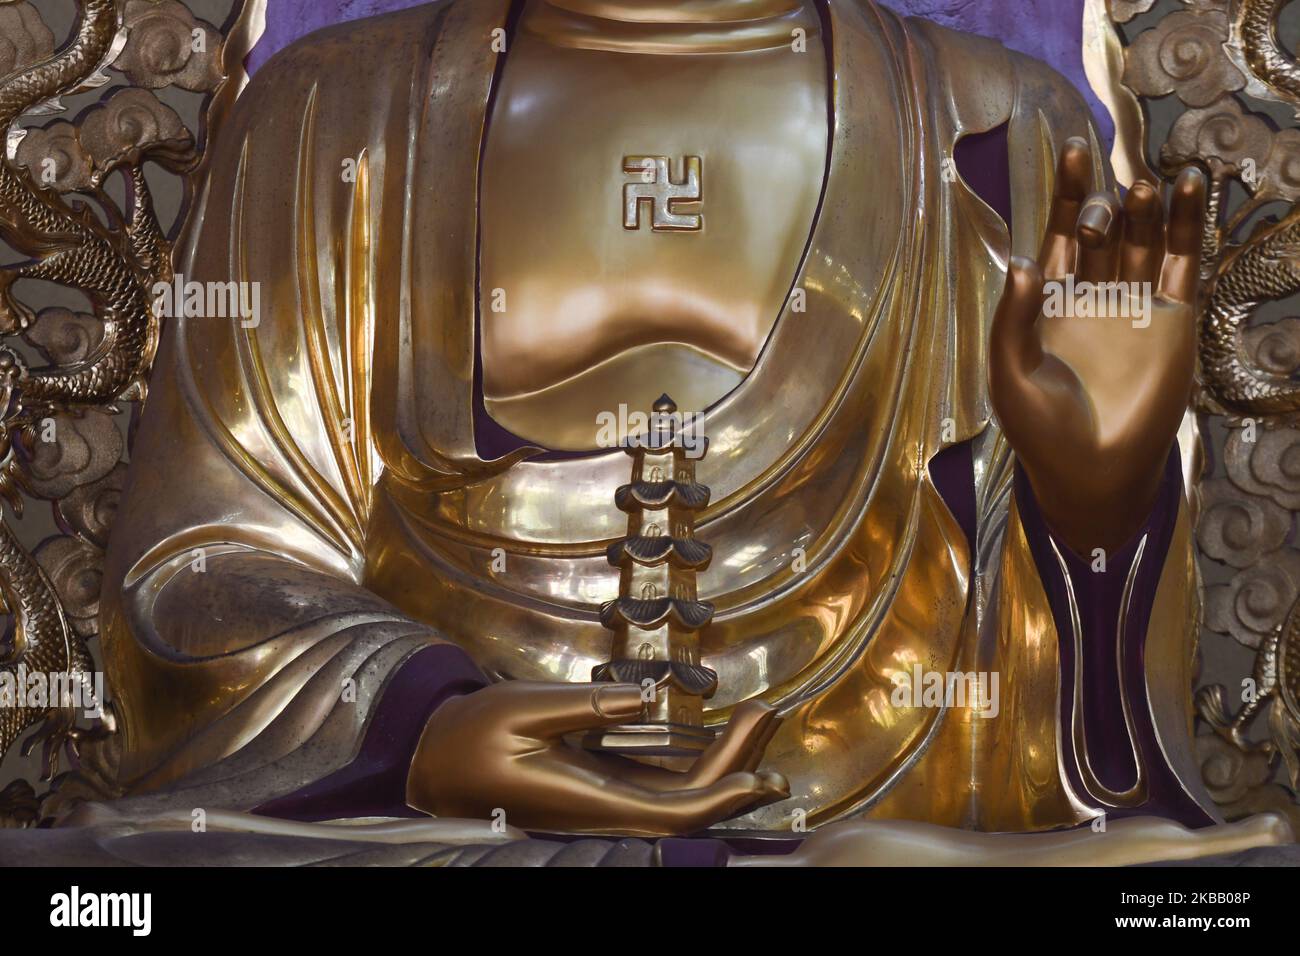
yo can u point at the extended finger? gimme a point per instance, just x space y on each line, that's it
1143 249
553 710
1180 276
1073 180
692 810
1098 231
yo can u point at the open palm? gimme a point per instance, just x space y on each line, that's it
1090 388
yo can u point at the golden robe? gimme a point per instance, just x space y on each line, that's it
306 505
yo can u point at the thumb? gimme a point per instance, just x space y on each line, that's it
1014 348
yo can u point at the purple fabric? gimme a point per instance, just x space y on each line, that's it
953 474
374 783
288 20
1050 30
699 852
984 163
1099 597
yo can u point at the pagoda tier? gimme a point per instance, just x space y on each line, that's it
657 617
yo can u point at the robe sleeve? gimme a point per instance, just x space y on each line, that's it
1115 753
248 659
1097 656
1055 752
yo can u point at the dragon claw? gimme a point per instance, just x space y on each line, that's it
1238 739
14 315
60 734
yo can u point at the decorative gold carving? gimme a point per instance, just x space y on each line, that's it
1254 43
27 39
1125 10
1184 55
657 617
1241 773
58 435
1218 56
168 46
1265 269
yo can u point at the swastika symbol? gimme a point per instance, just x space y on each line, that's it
655 187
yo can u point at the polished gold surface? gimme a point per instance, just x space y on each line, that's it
503 747
348 519
338 475
1103 61
1013 761
583 314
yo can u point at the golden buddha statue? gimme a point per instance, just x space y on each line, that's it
358 567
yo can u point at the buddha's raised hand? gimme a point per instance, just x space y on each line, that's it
1090 388
503 748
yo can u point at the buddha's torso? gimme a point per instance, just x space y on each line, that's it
601 284
836 561
789 315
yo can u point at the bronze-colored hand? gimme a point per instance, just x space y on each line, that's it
503 748
1091 405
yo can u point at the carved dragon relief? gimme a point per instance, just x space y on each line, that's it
1271 71
1240 91
59 436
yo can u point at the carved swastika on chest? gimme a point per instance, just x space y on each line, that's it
654 187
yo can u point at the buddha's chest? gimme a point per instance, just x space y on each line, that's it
643 218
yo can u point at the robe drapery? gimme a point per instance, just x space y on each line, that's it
308 510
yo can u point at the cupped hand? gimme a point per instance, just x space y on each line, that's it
502 750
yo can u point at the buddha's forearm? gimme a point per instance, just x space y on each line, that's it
1118 736
1099 517
248 660
223 597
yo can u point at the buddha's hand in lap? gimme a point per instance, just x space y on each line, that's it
503 749
1090 388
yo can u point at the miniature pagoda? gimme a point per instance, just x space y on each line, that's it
657 617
